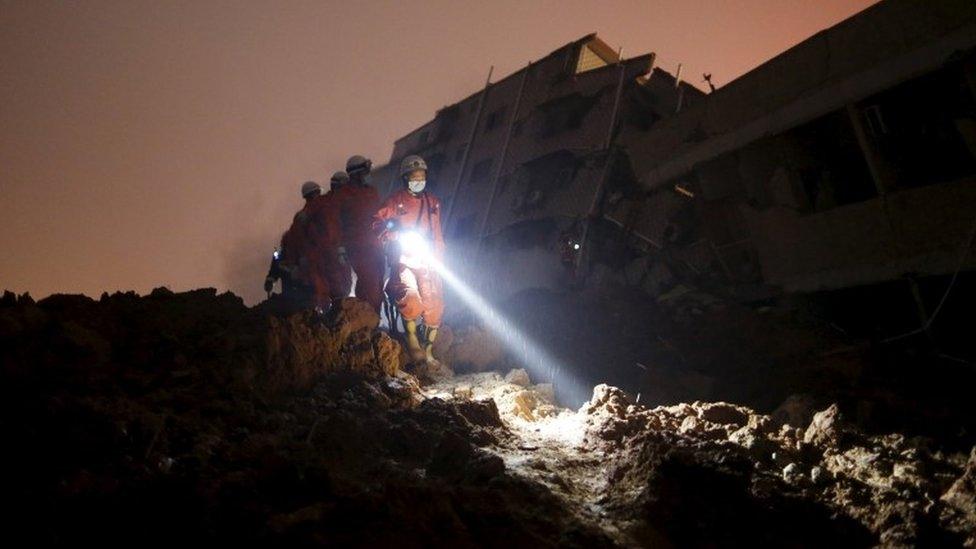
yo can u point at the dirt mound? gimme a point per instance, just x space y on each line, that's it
300 348
182 416
145 339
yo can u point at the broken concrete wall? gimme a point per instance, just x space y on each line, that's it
922 231
797 179
885 44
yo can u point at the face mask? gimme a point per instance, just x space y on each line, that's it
416 186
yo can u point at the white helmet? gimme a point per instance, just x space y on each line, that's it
358 164
410 163
309 188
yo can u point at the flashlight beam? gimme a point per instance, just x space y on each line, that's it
533 357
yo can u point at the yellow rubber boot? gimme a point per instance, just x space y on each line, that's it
431 336
413 344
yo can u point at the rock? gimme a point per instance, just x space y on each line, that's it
754 441
403 391
518 376
689 424
483 413
760 423
372 354
723 413
608 399
827 428
744 437
428 372
792 473
816 474
959 514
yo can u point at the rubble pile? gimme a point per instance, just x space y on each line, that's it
707 472
181 416
785 358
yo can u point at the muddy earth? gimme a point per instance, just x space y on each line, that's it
189 417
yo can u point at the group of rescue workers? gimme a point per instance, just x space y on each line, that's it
348 230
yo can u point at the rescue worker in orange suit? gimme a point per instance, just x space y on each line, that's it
358 202
414 284
298 252
326 255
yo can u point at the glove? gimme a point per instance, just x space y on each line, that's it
341 254
268 284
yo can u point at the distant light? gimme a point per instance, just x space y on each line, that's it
576 246
276 254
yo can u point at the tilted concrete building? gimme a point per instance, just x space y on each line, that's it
527 155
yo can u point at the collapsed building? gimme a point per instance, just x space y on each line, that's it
523 159
847 160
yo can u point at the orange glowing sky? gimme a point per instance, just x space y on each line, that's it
162 143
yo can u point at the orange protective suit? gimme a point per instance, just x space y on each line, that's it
417 289
357 204
300 256
323 231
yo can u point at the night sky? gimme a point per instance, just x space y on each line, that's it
146 143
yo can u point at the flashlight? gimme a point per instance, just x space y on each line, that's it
412 243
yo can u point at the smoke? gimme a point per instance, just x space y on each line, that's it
256 232
245 266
